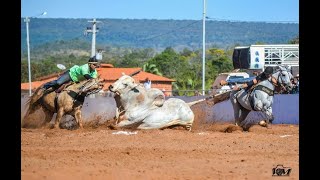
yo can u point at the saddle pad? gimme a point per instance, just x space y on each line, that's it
265 89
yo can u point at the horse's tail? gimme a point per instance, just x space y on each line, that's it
32 102
27 107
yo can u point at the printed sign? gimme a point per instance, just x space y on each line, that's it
256 58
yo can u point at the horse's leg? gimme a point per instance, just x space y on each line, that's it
60 113
266 107
245 124
269 114
236 107
77 116
48 115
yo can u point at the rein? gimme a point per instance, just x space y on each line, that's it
84 87
278 84
80 95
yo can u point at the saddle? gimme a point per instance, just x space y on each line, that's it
63 86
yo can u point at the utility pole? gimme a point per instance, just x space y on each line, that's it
94 31
203 48
27 20
28 47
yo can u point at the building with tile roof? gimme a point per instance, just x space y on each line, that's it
111 74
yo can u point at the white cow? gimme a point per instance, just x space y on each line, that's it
148 109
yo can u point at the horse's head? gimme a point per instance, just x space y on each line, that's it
92 86
283 77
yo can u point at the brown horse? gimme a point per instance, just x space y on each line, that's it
67 101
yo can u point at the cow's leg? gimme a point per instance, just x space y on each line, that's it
125 123
77 116
144 126
157 126
119 115
186 124
60 113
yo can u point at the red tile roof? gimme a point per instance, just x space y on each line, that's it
107 72
35 84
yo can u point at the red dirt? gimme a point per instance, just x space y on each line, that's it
207 152
96 153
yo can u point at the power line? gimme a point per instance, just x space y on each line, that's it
232 20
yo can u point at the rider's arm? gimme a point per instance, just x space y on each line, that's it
245 85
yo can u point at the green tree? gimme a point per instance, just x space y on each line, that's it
151 68
294 40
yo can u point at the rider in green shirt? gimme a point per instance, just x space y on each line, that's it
75 74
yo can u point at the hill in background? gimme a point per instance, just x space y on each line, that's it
156 34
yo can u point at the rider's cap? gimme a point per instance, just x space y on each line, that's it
93 60
268 70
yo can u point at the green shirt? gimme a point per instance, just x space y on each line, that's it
77 72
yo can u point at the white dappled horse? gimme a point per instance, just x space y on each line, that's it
260 98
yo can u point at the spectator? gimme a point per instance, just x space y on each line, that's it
297 83
147 83
255 73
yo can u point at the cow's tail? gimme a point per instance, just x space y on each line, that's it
195 102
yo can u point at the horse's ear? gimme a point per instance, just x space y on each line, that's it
123 73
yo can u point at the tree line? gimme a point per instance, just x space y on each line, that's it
185 66
158 34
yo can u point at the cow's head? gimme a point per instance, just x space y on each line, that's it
122 85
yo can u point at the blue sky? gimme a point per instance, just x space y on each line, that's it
245 10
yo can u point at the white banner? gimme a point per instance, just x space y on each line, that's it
256 57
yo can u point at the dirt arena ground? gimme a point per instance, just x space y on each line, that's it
210 151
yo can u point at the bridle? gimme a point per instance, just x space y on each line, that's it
279 85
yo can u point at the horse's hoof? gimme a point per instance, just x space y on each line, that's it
263 123
56 126
112 127
188 128
51 126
